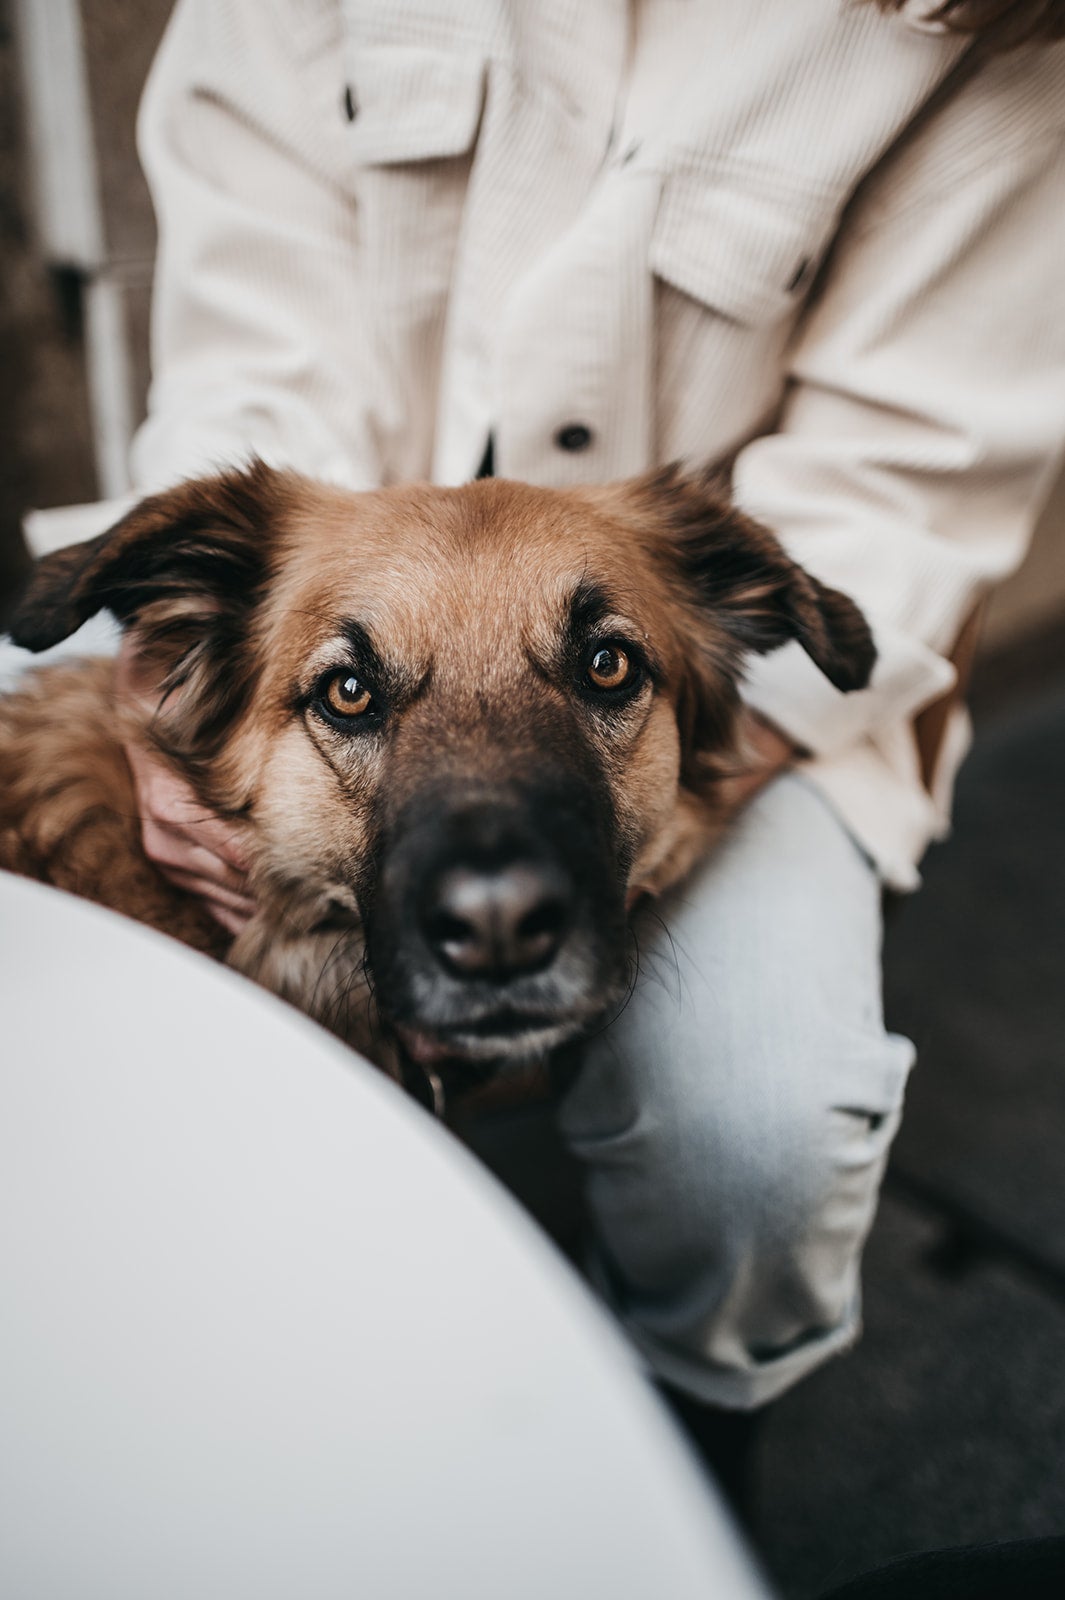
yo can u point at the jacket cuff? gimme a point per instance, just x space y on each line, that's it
786 689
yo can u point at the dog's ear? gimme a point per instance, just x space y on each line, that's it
183 571
737 570
182 563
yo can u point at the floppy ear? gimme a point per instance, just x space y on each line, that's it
198 549
184 568
736 569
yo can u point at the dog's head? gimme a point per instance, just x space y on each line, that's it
475 722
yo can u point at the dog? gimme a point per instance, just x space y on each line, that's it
463 730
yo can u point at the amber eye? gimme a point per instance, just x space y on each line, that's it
610 668
345 695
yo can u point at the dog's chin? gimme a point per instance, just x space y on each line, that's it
439 1068
488 1046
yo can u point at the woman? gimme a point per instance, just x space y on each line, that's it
814 239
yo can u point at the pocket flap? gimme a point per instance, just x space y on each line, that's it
410 104
746 254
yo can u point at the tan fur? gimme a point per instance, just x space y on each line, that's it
68 814
467 589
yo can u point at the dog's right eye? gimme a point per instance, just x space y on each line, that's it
343 697
612 671
610 668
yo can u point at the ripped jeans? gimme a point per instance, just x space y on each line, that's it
734 1121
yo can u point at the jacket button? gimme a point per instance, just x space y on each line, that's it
573 437
351 105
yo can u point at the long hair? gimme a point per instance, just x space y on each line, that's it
996 24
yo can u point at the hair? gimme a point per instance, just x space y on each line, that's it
996 24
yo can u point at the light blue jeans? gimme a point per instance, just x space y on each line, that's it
735 1120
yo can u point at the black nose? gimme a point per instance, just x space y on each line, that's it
497 923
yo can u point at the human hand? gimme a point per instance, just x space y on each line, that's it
194 849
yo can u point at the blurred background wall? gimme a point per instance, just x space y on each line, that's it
77 239
76 245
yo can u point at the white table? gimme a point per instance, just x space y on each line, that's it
268 1332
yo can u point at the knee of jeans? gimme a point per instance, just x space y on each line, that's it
773 1178
755 1179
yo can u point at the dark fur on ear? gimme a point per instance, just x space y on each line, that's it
731 572
759 595
184 568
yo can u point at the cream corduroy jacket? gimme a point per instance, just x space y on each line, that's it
822 241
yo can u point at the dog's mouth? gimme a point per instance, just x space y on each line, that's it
504 1036
440 1066
494 927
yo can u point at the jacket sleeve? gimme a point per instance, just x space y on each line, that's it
256 343
925 412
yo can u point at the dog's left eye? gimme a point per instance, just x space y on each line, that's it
344 697
610 669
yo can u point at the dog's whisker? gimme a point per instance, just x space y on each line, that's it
332 956
348 989
656 959
633 964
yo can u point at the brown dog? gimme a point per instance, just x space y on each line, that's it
463 728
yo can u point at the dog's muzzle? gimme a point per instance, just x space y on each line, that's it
497 928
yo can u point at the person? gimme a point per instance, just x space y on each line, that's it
817 240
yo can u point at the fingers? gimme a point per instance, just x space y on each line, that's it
182 850
233 911
182 833
229 920
202 881
194 849
197 870
182 856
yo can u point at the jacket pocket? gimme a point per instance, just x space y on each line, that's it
747 254
407 104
